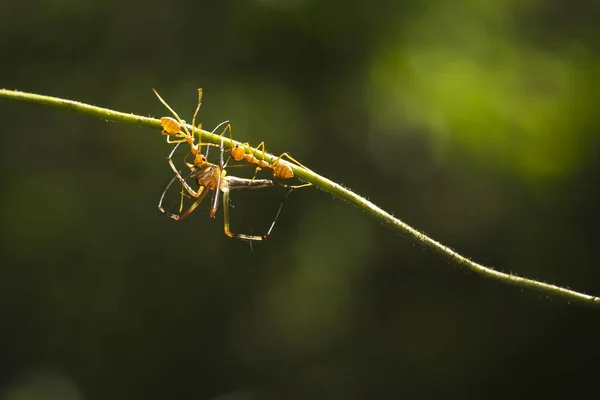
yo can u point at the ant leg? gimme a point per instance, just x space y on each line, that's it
194 120
234 151
248 150
290 186
197 108
292 159
230 129
261 147
172 129
171 141
256 171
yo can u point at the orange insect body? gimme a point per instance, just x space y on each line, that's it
238 154
170 126
281 168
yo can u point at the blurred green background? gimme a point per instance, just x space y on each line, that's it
474 121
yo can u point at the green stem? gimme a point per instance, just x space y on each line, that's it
331 188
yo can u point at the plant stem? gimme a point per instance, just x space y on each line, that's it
330 187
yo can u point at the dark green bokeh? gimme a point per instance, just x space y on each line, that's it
473 121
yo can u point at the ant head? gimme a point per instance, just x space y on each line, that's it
200 161
238 152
